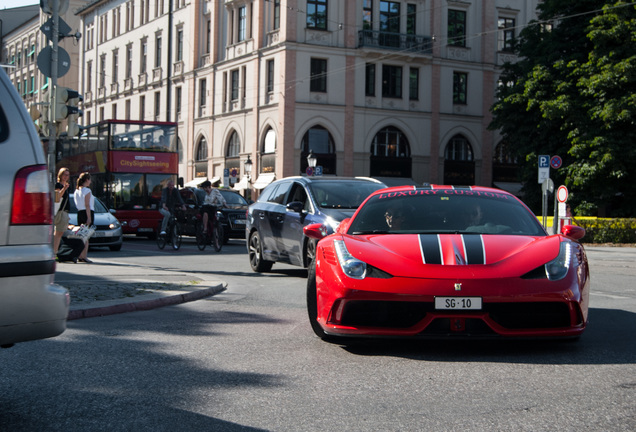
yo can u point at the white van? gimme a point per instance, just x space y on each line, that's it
31 305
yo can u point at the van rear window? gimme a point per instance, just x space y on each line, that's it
4 126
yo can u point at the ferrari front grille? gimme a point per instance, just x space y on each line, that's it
387 314
530 315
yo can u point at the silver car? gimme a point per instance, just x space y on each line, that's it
108 232
32 306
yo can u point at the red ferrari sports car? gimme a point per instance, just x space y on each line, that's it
444 261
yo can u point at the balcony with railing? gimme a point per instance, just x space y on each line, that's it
395 41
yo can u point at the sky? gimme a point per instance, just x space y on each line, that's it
8 4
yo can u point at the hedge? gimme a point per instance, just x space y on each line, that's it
605 230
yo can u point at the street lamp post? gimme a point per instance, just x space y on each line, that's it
312 160
247 165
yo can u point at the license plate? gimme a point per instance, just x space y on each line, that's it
240 221
458 303
145 230
99 234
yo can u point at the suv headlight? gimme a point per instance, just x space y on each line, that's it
558 267
351 266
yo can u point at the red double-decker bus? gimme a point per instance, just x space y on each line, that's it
130 163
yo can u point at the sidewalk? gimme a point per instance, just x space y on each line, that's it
106 287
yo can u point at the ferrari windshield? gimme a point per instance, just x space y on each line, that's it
445 211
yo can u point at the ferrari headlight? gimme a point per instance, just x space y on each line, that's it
558 267
351 266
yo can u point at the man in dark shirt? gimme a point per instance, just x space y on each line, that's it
170 198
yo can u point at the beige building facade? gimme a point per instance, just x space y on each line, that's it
371 88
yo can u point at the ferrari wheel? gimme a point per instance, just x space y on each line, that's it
257 262
312 303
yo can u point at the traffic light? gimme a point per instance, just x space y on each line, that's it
40 118
66 101
64 96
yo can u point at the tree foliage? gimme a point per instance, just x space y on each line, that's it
573 94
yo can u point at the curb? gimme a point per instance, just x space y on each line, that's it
144 305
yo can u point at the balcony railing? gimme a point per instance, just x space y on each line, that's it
395 41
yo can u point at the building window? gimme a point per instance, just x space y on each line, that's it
158 51
233 146
157 105
142 107
115 66
414 83
242 24
89 75
143 57
391 81
411 19
130 15
202 95
456 28
102 71
113 112
129 60
208 37
318 75
390 17
276 24
177 101
202 150
317 14
234 82
270 76
460 84
127 109
506 37
367 14
180 44
369 81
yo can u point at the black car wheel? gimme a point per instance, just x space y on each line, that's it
312 303
310 252
256 254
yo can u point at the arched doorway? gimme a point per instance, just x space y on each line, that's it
459 162
390 154
319 141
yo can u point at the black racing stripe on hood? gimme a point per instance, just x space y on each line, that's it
429 245
474 245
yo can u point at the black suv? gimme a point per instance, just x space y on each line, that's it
232 217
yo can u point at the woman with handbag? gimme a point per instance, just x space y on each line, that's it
62 207
85 203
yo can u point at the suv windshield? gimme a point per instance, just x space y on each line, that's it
342 194
445 212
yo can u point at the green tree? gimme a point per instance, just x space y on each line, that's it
573 94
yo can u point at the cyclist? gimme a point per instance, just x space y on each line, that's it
212 200
170 198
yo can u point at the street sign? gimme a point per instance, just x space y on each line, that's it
309 171
63 61
544 168
318 170
556 162
62 29
562 194
234 172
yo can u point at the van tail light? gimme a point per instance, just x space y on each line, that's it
31 197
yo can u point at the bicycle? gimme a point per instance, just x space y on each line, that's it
213 236
172 235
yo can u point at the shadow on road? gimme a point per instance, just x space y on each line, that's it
607 340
